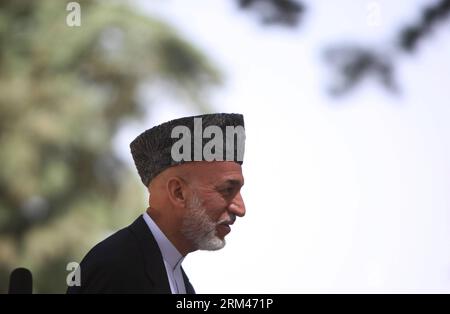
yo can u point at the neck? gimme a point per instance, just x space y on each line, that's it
172 230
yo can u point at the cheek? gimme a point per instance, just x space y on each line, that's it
212 200
215 207
219 204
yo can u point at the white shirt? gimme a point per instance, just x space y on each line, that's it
172 258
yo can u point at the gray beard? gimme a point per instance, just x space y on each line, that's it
200 229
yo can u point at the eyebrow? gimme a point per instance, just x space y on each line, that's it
234 182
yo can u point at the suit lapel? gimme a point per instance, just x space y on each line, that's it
154 263
189 287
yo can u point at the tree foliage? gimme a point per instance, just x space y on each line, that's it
351 62
64 92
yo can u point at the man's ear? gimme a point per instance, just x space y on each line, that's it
177 191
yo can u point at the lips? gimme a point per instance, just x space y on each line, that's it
223 228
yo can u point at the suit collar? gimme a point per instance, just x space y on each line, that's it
168 251
154 264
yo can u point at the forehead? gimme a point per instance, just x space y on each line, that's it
216 172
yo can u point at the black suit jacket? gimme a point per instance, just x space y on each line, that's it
129 261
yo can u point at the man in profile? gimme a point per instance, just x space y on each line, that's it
192 169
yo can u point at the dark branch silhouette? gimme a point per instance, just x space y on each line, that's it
431 15
353 63
281 12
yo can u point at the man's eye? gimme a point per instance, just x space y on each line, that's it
227 191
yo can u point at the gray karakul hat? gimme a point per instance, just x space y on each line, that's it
208 137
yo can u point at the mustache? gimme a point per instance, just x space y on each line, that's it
228 221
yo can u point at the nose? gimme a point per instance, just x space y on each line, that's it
237 206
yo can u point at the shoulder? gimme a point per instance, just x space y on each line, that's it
112 265
121 246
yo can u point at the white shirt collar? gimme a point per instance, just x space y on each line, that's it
169 252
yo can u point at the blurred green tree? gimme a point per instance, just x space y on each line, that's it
64 92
